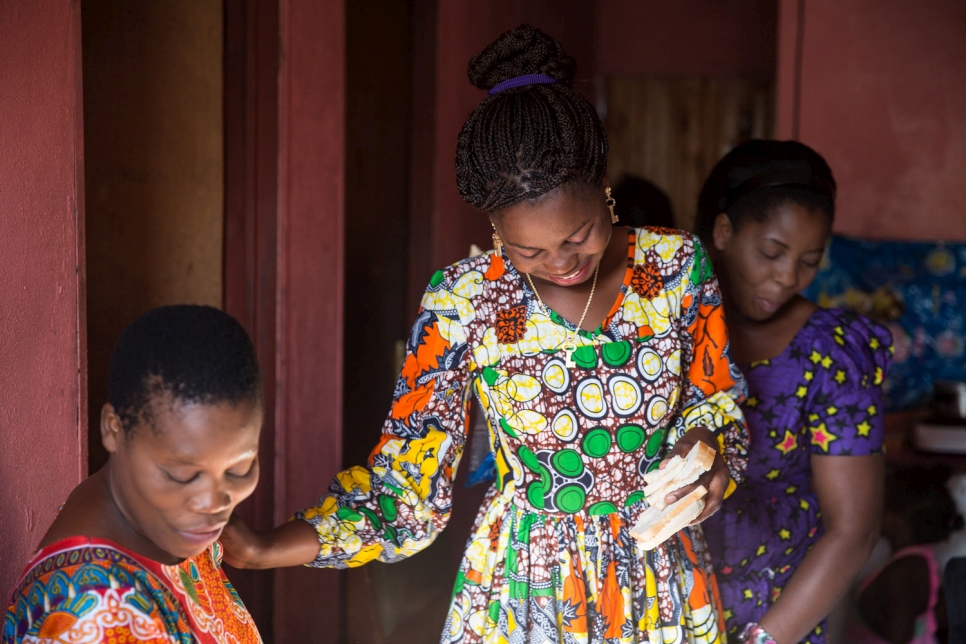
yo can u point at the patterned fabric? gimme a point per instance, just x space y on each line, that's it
90 591
822 396
550 557
918 289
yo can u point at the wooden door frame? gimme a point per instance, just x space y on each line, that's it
283 274
250 243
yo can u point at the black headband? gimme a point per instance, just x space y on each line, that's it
776 179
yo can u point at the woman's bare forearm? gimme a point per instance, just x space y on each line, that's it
849 491
820 582
295 543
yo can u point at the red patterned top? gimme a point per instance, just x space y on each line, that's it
83 590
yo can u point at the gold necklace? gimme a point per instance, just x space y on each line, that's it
569 345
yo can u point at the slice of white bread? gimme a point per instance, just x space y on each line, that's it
659 521
677 473
655 525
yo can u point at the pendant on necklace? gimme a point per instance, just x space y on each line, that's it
568 347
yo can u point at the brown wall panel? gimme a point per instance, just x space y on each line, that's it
672 131
153 148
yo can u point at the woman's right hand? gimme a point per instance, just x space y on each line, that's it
291 544
715 480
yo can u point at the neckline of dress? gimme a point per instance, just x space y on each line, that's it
560 320
748 366
79 540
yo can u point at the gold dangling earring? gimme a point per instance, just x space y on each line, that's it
611 202
497 242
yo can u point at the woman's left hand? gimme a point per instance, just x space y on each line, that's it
240 544
294 543
714 480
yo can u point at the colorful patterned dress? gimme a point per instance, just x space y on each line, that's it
90 591
821 396
550 558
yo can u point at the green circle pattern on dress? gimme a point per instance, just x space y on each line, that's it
372 516
570 499
528 458
490 375
585 357
616 354
654 443
597 443
568 462
535 494
348 514
630 438
388 506
601 508
512 433
634 498
536 490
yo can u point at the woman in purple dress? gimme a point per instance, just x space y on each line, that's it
792 536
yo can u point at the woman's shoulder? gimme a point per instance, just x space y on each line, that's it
77 552
489 265
655 237
455 293
83 563
87 513
81 580
675 253
844 336
845 327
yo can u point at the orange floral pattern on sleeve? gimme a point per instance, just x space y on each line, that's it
647 281
511 324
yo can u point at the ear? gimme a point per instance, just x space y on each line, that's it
112 431
722 232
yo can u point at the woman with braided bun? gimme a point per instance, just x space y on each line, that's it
798 528
596 353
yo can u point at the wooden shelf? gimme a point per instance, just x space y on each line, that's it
900 451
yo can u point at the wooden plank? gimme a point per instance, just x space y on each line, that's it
671 131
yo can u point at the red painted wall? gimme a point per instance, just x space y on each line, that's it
311 226
882 95
43 414
685 37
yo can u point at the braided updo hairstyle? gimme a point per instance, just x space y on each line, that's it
524 142
758 176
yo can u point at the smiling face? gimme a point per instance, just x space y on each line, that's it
764 264
177 478
560 237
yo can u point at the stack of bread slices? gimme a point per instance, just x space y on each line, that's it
659 521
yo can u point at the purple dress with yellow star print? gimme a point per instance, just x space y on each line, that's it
822 396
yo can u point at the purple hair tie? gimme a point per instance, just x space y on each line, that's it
520 81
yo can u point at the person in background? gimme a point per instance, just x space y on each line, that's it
133 554
596 353
788 543
641 203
